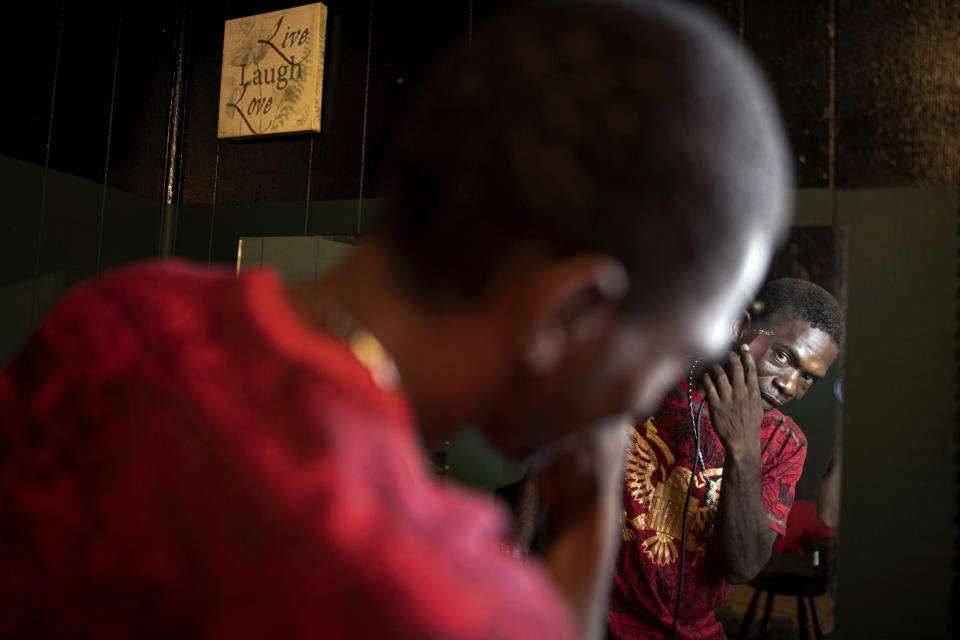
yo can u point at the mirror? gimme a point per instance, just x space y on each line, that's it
803 566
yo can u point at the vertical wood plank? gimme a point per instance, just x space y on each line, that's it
792 42
84 87
35 28
898 99
196 221
335 161
729 11
404 42
142 95
73 199
134 196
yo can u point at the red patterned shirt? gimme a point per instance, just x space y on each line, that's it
181 457
659 461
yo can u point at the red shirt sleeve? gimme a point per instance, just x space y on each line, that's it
783 456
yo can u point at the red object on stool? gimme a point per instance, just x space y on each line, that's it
803 529
796 569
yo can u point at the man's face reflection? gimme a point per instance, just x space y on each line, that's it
797 357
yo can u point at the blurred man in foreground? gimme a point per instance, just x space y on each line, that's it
723 427
574 201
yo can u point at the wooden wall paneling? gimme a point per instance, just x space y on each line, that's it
146 68
792 41
406 37
270 170
35 28
728 11
337 153
84 82
203 91
144 77
898 99
73 202
479 10
196 218
172 178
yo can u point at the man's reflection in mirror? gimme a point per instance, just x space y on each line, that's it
719 444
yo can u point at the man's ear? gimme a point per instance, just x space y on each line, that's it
571 301
741 327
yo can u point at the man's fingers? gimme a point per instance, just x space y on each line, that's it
721 381
710 389
750 366
736 369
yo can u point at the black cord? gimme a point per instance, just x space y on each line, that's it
683 525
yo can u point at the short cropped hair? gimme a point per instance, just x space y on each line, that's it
794 299
632 128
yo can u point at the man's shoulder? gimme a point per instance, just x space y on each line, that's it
140 320
142 292
158 284
166 270
776 423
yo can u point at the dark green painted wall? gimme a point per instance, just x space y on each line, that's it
898 524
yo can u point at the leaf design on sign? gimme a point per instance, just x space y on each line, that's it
294 91
249 50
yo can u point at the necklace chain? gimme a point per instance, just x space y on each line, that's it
695 424
364 345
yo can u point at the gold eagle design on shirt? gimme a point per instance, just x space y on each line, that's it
660 500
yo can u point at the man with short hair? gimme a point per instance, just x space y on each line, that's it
744 456
187 453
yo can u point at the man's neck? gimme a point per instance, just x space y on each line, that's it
365 287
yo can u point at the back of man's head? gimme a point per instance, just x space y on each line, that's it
628 128
790 299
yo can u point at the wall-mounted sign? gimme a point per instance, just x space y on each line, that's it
272 76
